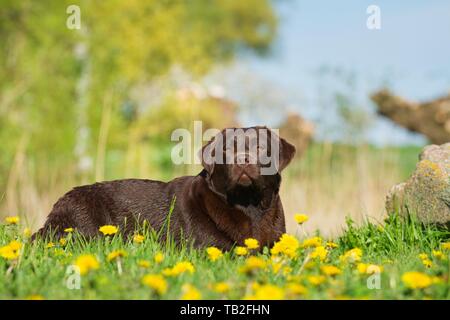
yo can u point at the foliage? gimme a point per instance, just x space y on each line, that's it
62 91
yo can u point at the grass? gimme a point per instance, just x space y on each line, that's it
40 270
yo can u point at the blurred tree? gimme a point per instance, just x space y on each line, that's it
67 89
354 118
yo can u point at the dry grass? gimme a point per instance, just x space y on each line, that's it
334 182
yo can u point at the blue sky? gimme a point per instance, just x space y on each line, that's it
410 54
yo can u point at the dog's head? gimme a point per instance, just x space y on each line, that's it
244 164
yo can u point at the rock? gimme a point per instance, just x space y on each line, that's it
432 118
426 194
297 131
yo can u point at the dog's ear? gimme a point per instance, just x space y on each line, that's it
207 153
287 153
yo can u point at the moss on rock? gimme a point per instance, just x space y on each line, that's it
426 194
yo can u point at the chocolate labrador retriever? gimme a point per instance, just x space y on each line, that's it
233 198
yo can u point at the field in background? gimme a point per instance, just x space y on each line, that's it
332 182
328 183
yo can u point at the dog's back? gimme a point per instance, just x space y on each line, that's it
120 202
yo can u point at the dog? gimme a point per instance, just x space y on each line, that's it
222 206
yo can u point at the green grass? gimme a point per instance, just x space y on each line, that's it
395 245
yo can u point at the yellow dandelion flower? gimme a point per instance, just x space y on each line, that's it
15 245
331 245
190 293
312 242
35 297
12 220
251 243
330 270
361 267
240 251
116 254
416 280
155 282
63 241
68 230
179 268
319 252
7 253
287 245
296 289
26 232
50 245
159 257
423 256
365 268
214 253
351 256
253 263
438 254
11 250
86 263
276 267
221 287
301 218
108 230
267 292
427 263
445 246
254 285
144 264
316 280
287 270
138 238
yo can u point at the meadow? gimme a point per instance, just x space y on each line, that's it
400 259
348 247
93 92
